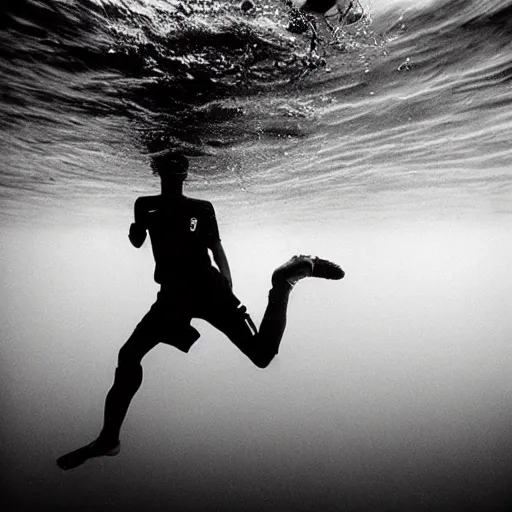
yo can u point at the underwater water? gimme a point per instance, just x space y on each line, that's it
389 152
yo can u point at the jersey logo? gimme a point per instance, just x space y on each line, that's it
193 224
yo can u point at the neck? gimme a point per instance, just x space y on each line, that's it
172 190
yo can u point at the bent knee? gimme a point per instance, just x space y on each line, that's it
263 361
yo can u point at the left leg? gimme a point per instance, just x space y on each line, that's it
225 312
233 320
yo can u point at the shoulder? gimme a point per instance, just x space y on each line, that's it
200 205
146 202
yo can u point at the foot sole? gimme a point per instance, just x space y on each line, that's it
299 267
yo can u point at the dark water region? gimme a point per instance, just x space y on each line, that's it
412 101
76 74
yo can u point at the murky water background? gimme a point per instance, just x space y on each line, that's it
392 389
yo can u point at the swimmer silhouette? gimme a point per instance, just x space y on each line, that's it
182 230
345 12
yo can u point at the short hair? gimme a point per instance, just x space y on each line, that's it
167 164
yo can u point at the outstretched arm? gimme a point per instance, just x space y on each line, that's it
221 260
138 229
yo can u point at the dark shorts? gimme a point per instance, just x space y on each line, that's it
209 298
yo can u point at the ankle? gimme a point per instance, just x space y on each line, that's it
280 290
107 439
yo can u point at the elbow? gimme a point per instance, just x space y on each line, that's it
216 253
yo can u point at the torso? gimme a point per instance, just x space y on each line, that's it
181 231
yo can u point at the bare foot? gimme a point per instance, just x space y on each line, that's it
95 449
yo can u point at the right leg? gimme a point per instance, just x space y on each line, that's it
128 376
127 381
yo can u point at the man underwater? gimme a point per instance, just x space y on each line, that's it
182 230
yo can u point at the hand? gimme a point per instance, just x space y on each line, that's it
133 231
137 235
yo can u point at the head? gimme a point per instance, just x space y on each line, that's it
170 166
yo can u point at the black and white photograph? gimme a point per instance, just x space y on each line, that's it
256 255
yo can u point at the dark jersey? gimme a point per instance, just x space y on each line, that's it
181 233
